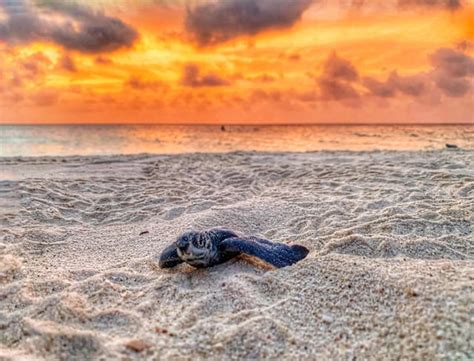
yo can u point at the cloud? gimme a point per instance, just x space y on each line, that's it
294 57
266 78
339 68
453 87
222 20
450 73
332 89
143 84
452 62
70 25
67 63
262 95
102 60
258 78
33 66
465 45
384 89
340 80
448 4
191 77
336 81
26 69
391 5
414 85
45 97
452 70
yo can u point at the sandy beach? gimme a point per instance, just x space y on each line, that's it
389 276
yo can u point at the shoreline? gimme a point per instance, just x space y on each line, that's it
67 141
132 156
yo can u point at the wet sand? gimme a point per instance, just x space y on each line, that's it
390 274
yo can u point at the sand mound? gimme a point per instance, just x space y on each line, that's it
389 275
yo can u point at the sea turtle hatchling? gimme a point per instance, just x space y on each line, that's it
208 248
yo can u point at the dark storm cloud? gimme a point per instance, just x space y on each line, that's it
78 28
221 20
452 70
193 78
336 81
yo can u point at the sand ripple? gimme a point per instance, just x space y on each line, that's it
389 275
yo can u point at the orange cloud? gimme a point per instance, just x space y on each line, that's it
321 62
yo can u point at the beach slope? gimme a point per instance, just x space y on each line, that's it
390 274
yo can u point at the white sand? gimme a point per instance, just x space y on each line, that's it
390 274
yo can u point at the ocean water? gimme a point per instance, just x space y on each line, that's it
63 140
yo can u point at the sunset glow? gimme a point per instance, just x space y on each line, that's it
280 62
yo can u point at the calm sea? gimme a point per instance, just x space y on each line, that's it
60 140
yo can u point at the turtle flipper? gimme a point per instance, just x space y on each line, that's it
277 254
169 257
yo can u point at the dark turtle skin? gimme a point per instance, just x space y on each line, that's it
202 249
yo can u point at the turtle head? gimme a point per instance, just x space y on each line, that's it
195 248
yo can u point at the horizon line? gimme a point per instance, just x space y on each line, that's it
233 124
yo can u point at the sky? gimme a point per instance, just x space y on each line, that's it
236 61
